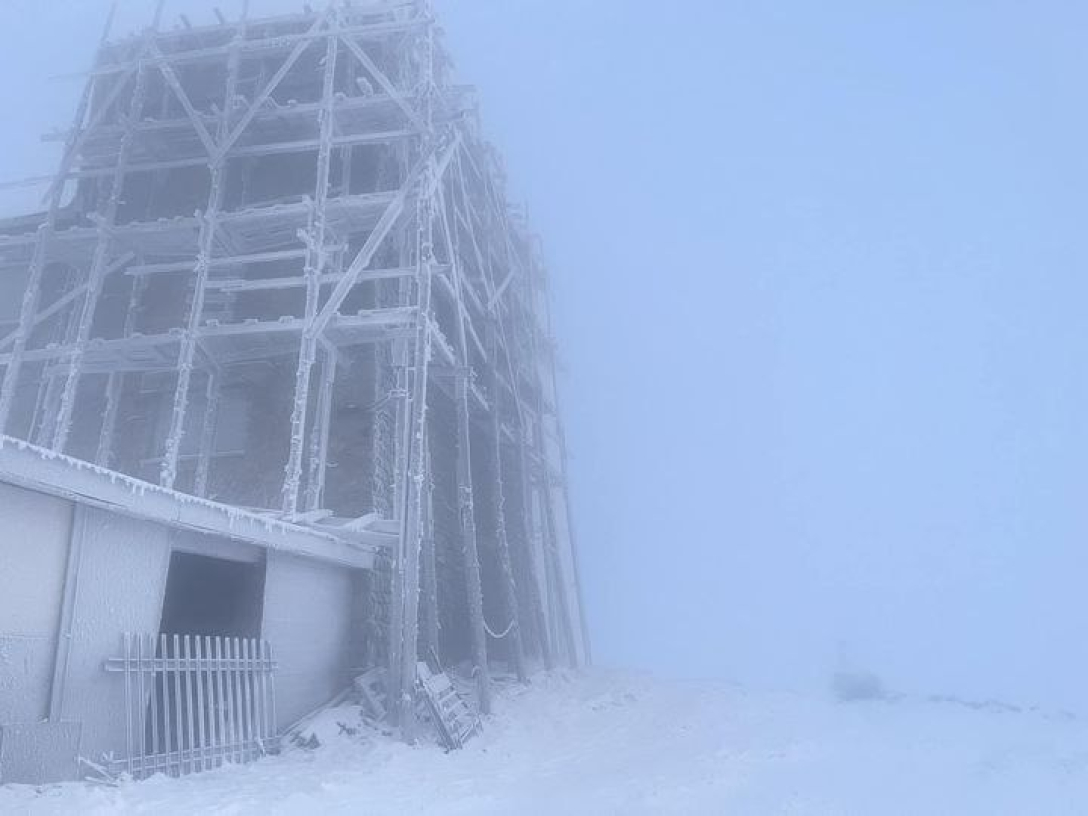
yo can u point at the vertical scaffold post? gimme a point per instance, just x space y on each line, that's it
209 224
415 476
508 324
529 527
551 375
47 408
398 364
502 542
32 293
466 504
316 254
319 436
549 529
100 261
115 384
498 343
429 563
206 452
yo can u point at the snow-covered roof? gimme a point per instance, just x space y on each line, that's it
46 471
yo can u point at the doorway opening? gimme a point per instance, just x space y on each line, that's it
213 596
206 690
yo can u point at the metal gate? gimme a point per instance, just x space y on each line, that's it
194 702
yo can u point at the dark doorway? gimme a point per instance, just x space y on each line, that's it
208 602
213 596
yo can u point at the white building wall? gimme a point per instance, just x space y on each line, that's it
307 619
34 535
119 585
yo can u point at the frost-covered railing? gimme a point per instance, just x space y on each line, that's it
193 702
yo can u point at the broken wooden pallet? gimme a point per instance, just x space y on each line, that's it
455 721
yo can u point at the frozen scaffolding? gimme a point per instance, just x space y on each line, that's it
278 269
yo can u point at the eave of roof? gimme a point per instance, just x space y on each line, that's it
45 471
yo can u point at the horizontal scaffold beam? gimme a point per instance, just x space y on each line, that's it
254 229
373 326
260 46
91 170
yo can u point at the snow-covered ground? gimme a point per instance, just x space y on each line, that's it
605 743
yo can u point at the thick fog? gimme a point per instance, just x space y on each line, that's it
819 281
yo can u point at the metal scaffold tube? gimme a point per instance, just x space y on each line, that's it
319 436
466 505
510 587
429 564
316 256
415 478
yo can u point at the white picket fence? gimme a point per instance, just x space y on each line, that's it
194 702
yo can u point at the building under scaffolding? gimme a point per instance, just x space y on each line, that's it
277 271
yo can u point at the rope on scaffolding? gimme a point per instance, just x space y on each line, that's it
505 631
